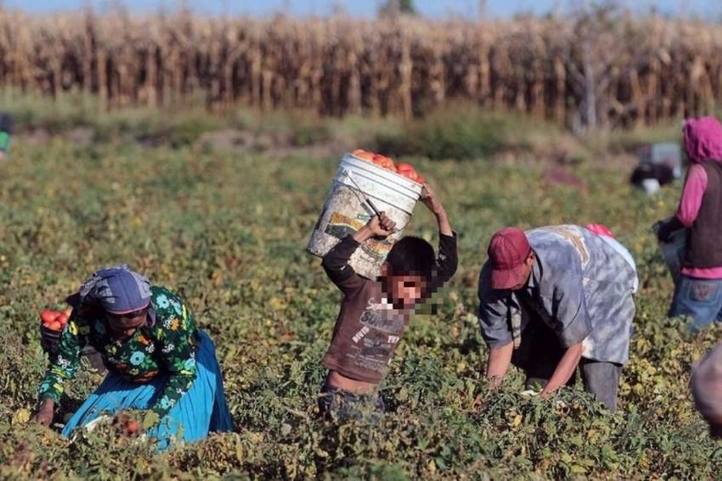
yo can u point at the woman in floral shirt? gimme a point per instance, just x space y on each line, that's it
156 357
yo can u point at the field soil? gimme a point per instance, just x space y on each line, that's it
227 228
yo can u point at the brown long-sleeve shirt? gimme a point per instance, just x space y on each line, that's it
369 327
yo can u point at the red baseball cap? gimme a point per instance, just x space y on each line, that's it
508 249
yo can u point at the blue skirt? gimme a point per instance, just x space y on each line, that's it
201 410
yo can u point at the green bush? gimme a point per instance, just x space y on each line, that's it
460 132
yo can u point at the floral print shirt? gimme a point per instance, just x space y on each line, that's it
165 344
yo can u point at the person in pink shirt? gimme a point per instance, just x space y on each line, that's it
698 293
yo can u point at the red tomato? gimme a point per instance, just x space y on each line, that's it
407 170
131 427
383 161
55 326
48 315
62 318
363 155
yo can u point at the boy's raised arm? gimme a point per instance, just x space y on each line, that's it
432 202
447 260
335 262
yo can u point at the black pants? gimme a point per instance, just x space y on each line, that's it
342 405
540 352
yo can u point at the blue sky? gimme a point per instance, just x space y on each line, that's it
432 8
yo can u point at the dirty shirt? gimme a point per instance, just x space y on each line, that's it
369 326
165 344
581 286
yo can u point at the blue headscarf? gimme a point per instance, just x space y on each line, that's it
117 290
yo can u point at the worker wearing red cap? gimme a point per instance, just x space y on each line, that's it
556 298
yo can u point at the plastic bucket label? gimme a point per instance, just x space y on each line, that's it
340 226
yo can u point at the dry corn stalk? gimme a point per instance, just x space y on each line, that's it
554 68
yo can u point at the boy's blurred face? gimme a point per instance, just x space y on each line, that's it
406 290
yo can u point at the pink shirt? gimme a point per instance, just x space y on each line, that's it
689 205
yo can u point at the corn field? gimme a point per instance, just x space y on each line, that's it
603 69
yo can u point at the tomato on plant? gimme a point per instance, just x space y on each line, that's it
132 426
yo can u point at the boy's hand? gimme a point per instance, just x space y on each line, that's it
379 226
430 200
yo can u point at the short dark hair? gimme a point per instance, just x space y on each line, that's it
412 256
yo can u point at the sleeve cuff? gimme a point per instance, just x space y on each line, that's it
575 335
350 240
684 222
497 343
47 395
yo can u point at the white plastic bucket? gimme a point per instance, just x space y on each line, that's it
345 211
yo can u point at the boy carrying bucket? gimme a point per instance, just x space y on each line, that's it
374 313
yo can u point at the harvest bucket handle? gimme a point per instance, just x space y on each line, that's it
358 191
364 199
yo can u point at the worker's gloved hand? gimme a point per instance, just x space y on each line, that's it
663 233
667 228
